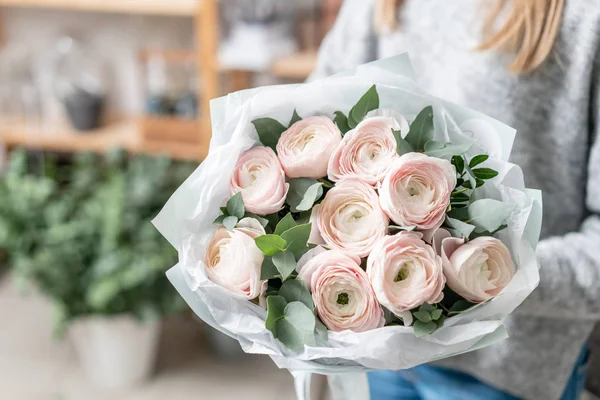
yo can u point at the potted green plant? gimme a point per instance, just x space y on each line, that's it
94 253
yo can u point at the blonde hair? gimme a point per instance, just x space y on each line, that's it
530 29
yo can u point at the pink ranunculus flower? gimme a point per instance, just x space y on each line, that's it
405 272
304 149
350 218
416 190
341 291
260 178
478 270
366 152
234 262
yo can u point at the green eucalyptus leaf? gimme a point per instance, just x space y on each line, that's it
459 164
295 118
459 307
297 328
303 193
235 206
436 314
489 214
269 131
275 312
367 103
341 121
219 220
460 197
270 244
422 316
285 224
296 290
424 328
421 130
230 222
321 330
485 173
434 145
263 221
296 238
475 161
427 307
268 270
463 228
402 146
475 235
447 149
285 262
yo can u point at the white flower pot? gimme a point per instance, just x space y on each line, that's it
115 352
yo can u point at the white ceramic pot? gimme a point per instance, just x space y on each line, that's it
115 352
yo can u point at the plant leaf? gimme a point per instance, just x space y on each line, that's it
296 290
427 307
303 193
230 222
489 214
462 227
285 262
448 150
422 316
341 121
275 311
269 131
485 173
475 161
285 224
321 329
475 235
434 145
270 244
297 327
295 118
421 130
268 270
402 146
459 164
436 314
424 328
235 206
460 198
367 103
263 221
459 307
219 219
296 238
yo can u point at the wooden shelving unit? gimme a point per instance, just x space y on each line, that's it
127 134
298 66
182 8
123 134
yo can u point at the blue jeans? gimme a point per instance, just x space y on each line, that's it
428 382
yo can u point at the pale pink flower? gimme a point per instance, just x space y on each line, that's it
304 149
260 178
341 291
405 272
416 190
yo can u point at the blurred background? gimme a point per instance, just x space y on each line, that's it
104 111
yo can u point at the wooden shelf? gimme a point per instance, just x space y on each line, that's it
123 134
297 66
184 8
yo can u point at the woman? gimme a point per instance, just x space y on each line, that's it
532 64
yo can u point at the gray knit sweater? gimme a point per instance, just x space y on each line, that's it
556 111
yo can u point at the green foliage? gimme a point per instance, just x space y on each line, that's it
402 146
341 121
421 130
295 118
269 131
367 103
303 194
80 230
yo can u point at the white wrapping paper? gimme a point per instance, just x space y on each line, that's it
186 221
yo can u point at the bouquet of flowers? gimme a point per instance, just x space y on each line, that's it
354 223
